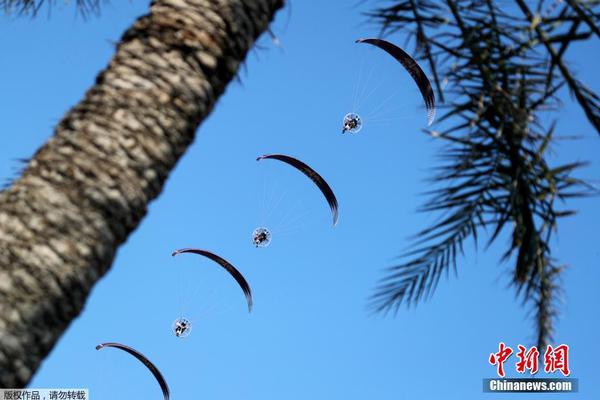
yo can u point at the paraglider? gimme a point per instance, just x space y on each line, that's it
227 266
157 375
261 237
352 123
413 68
182 327
313 175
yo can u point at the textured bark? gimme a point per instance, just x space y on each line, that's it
89 186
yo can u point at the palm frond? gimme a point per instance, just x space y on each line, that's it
503 72
33 7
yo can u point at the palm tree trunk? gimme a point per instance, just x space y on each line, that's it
89 186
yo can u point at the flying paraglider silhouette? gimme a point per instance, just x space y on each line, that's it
228 267
313 175
413 69
157 375
182 327
352 123
261 237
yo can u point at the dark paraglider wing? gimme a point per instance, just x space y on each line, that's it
157 375
228 266
413 69
313 175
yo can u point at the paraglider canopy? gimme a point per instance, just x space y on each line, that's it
227 266
313 175
413 69
157 375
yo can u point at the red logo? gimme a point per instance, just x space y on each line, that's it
500 357
528 360
555 359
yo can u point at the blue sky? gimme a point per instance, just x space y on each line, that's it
309 335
